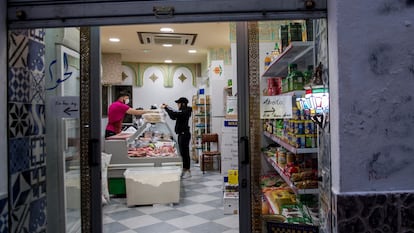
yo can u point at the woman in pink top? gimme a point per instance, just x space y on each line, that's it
116 114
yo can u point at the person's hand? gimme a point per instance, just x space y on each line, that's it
157 111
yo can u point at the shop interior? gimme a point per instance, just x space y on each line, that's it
141 166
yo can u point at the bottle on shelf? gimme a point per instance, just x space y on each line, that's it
295 78
267 61
307 75
288 85
275 51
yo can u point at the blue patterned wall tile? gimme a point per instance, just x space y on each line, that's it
4 215
19 120
19 32
18 49
37 88
20 190
19 85
39 189
37 120
38 167
19 219
3 205
37 220
35 59
37 34
37 151
26 114
19 155
4 223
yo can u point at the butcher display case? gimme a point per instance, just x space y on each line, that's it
151 145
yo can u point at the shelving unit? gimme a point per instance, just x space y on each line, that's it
295 189
297 52
201 122
300 53
289 147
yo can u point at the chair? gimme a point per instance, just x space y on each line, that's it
210 141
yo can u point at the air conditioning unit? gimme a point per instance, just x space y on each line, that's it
166 38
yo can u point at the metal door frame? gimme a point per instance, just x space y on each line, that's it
66 13
49 13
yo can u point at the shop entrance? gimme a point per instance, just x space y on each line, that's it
89 217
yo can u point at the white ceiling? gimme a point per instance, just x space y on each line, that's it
209 35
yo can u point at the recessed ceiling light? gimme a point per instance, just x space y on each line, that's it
167 45
146 50
166 30
113 39
168 61
192 51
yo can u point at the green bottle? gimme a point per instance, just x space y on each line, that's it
288 84
307 75
295 78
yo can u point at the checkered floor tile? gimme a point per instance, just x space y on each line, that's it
200 211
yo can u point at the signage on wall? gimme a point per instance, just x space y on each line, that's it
275 107
65 106
217 71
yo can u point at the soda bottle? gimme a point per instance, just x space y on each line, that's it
275 52
267 61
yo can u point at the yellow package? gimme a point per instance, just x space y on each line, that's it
233 176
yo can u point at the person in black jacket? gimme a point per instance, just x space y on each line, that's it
182 129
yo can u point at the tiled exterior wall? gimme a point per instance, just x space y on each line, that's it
4 215
376 213
26 111
371 72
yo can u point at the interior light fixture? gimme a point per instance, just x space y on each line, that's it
165 29
167 45
192 51
114 39
168 61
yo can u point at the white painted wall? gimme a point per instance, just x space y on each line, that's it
153 92
371 68
3 99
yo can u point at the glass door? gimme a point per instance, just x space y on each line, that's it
293 94
62 89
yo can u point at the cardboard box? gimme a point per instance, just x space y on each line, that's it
152 185
231 202
230 126
228 164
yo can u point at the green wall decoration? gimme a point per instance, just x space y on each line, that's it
220 54
167 71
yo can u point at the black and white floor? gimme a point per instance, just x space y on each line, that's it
200 211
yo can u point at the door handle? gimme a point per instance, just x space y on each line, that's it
246 158
94 152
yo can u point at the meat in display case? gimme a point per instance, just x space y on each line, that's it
151 145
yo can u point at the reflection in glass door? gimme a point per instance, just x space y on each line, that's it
69 71
62 89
